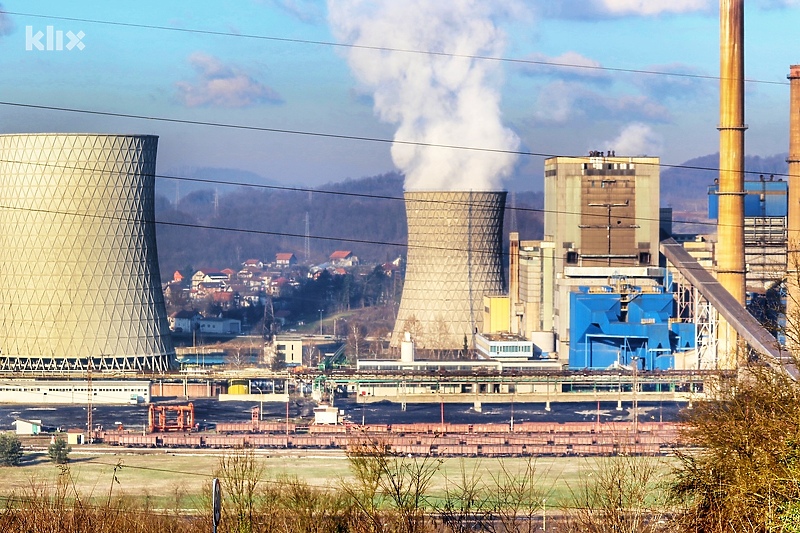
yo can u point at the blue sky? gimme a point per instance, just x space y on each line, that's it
296 86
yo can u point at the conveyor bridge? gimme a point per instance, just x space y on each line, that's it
746 326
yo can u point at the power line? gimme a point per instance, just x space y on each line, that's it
337 136
306 190
500 59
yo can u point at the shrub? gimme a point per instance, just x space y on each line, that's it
10 449
58 451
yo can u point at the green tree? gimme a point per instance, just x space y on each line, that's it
58 451
10 449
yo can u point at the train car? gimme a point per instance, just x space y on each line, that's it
236 427
180 440
411 428
534 439
110 438
581 439
276 427
138 441
224 441
456 450
268 441
316 429
484 439
534 427
501 450
410 449
340 441
491 428
311 441
458 429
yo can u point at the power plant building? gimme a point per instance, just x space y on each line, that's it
765 230
79 281
454 260
602 211
593 291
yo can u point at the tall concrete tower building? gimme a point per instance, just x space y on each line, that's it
602 210
454 260
79 278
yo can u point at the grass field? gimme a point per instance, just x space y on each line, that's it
181 479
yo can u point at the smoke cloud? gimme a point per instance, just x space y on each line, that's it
654 7
433 99
636 139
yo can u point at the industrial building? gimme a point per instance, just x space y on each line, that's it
79 279
592 292
765 214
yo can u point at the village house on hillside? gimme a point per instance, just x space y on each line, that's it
285 259
253 263
183 321
209 278
343 258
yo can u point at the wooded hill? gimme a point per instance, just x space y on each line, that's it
365 216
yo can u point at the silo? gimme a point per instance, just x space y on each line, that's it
79 278
454 259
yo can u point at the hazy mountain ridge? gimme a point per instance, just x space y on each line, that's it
366 216
222 226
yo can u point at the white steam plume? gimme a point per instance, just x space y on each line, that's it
434 99
636 139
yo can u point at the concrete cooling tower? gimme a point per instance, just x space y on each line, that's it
79 279
454 259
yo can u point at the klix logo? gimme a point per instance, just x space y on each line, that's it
53 40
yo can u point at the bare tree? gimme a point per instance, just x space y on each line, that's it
240 473
466 505
618 494
519 496
392 489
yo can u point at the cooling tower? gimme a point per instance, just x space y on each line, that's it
79 279
454 259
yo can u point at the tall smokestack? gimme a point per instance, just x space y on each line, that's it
793 222
454 260
730 224
730 228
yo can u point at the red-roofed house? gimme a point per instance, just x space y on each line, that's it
343 258
285 259
253 263
225 299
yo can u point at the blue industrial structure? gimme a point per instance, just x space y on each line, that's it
763 198
622 324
